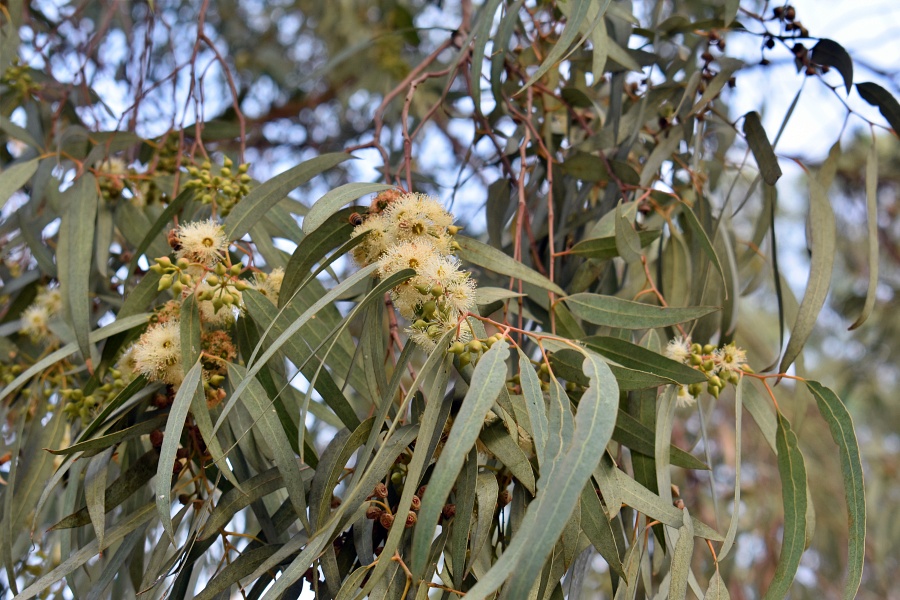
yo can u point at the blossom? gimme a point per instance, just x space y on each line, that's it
202 242
679 349
210 314
683 397
729 358
35 322
370 249
157 354
415 217
50 298
269 285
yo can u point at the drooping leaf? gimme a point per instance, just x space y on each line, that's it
761 148
681 559
633 356
872 221
14 177
605 247
830 53
822 244
717 589
612 311
487 380
843 433
876 95
792 470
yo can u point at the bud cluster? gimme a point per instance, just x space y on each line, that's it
720 365
223 189
471 351
18 77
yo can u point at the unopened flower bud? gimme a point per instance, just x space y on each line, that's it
373 512
380 490
411 518
386 520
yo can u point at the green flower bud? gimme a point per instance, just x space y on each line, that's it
437 290
185 279
464 360
696 349
708 349
220 270
457 348
165 282
695 389
708 365
177 288
696 360
236 269
212 280
183 263
475 346
225 171
714 380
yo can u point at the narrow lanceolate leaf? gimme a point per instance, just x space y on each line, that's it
82 199
497 261
872 219
876 95
626 314
681 559
822 243
637 357
534 406
311 249
266 419
14 177
260 199
243 565
843 433
628 242
761 148
95 490
175 423
830 53
482 33
605 247
793 489
705 243
735 513
559 490
189 323
335 199
717 589
576 17
487 381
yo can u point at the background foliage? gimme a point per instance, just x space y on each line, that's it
590 149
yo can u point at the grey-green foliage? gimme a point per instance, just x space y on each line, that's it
297 435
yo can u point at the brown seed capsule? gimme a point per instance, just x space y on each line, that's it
504 498
335 502
386 520
416 503
380 490
789 13
411 518
184 498
355 219
449 511
421 492
373 512
156 438
182 453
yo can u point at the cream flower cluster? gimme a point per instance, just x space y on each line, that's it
157 354
202 242
36 318
720 365
414 231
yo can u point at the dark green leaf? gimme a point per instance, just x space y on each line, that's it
637 357
605 247
761 148
876 95
830 53
640 438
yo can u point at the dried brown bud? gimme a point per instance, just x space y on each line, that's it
449 511
504 498
789 13
335 501
416 503
679 504
386 520
184 498
156 438
373 512
383 199
421 492
411 519
380 490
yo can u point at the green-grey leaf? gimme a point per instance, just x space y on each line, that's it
487 380
534 406
14 177
793 489
761 148
843 433
180 407
628 242
577 14
872 220
77 244
823 238
626 314
494 260
335 199
681 559
605 247
637 357
260 199
700 234
717 589
189 324
94 490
